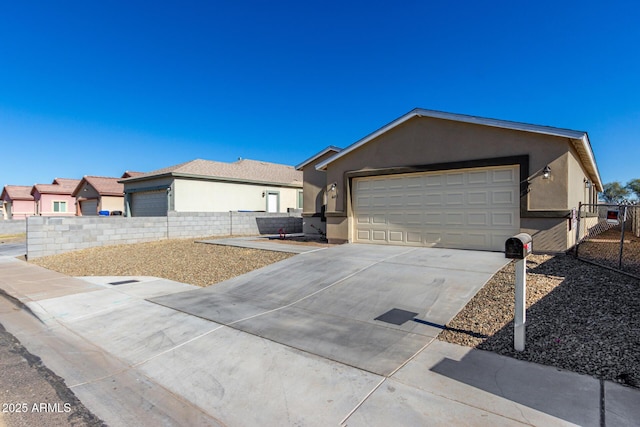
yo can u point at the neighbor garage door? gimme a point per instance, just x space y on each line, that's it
467 208
149 203
89 207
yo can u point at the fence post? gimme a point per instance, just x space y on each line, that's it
578 228
623 224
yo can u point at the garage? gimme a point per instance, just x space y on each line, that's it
149 203
466 209
89 207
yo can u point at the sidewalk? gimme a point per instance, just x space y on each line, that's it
134 362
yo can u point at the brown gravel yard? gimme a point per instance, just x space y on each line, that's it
580 317
182 260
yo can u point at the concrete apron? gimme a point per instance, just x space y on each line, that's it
136 362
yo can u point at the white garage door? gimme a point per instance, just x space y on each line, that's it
149 203
467 208
89 207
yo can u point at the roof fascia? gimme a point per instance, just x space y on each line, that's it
320 154
211 178
419 112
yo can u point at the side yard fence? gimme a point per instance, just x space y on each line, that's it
13 226
54 235
609 235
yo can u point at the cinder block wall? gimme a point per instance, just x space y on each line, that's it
13 226
54 235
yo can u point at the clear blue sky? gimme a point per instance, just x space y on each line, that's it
100 87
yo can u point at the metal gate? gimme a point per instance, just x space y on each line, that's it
609 235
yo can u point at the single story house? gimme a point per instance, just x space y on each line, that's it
55 199
17 202
97 193
208 186
431 178
314 191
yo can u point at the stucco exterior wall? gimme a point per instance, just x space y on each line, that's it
45 202
210 196
315 196
426 141
19 209
111 203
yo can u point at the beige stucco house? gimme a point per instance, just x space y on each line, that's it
315 194
449 180
208 186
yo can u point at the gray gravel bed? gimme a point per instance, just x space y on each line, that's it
580 317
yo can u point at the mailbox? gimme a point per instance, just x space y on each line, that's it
518 246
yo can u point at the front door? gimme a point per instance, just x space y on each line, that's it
273 202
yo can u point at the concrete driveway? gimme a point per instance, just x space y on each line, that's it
302 342
370 307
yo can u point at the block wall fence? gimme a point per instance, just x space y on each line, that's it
55 235
12 226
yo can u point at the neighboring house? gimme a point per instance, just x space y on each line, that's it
17 202
448 180
208 186
55 199
315 192
97 193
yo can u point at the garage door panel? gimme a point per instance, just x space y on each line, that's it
455 179
454 218
378 219
364 234
433 199
503 219
472 208
503 197
379 235
480 177
414 237
433 180
478 219
455 199
396 236
506 176
149 203
478 198
396 201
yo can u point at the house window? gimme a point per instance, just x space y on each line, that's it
300 200
59 206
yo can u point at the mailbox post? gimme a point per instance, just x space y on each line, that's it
519 247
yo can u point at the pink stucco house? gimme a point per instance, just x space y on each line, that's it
17 202
97 193
55 199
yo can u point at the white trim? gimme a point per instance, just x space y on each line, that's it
320 154
419 112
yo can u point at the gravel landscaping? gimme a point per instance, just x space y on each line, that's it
580 317
182 260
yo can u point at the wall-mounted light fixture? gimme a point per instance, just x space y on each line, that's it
546 172
333 187
263 194
587 183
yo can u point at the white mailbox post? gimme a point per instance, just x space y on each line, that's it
519 247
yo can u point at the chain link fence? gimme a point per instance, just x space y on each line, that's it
609 235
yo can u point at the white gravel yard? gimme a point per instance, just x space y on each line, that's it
580 317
